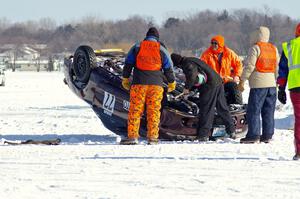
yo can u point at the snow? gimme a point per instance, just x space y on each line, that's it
90 164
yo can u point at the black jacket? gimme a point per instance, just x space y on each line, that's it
191 66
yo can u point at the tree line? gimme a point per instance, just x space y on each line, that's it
189 35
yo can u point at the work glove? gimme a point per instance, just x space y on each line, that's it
241 86
171 86
227 78
282 95
126 83
186 91
236 79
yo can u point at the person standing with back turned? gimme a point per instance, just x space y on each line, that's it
260 70
289 72
147 59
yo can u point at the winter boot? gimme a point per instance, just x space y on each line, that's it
249 140
129 141
296 157
202 138
265 140
152 141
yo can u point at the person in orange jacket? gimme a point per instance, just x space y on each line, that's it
150 61
227 64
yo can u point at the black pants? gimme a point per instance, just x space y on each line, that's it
232 93
213 99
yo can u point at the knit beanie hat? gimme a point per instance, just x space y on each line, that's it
297 31
153 32
176 59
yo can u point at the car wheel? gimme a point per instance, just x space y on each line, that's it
84 61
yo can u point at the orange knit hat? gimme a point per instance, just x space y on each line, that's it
297 31
219 39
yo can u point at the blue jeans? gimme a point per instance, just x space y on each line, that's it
262 102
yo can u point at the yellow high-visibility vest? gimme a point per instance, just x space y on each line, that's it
291 50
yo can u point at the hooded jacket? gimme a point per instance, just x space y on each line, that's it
258 79
228 65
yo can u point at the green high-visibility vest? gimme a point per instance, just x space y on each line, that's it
291 50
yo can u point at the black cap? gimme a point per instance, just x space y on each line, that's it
176 59
153 32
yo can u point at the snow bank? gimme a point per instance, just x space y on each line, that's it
89 163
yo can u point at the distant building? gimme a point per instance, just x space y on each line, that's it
27 58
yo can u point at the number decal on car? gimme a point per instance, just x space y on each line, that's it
126 105
109 103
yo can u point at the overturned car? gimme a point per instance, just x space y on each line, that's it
95 77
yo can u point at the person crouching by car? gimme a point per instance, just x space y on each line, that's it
148 59
209 84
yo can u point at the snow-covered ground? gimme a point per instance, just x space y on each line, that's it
89 163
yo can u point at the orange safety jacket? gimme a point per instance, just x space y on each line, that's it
266 61
229 66
148 57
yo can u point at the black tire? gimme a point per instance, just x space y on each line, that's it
84 61
232 94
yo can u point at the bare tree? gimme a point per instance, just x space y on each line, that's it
181 32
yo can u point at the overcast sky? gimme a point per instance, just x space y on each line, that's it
64 11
